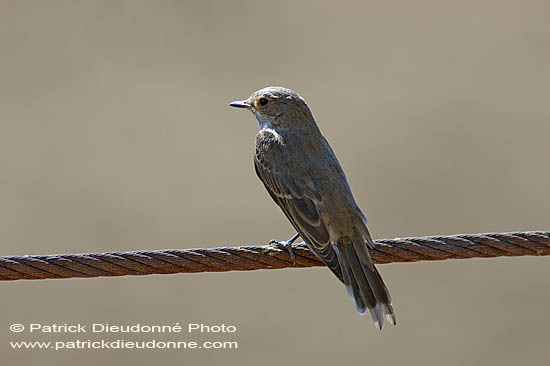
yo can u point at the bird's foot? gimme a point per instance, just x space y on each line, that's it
286 245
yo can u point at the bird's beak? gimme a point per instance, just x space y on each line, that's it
240 104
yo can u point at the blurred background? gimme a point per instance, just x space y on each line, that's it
115 135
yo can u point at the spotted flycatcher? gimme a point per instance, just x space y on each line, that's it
301 173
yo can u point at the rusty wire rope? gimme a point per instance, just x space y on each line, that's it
247 258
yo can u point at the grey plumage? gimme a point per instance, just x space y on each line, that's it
303 176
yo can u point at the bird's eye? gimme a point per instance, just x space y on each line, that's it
263 101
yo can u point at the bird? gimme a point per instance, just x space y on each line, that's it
302 175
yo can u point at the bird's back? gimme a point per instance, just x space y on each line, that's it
311 161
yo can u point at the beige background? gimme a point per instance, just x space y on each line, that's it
115 134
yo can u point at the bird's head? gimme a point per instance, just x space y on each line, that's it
276 106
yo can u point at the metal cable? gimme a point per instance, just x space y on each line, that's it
247 258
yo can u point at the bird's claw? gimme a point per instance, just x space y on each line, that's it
287 244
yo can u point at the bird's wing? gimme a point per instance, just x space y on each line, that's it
299 201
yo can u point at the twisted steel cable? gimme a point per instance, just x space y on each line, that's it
247 258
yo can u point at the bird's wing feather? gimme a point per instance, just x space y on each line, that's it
299 201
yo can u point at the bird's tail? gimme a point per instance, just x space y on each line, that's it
363 282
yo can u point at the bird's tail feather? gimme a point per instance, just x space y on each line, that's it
363 282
